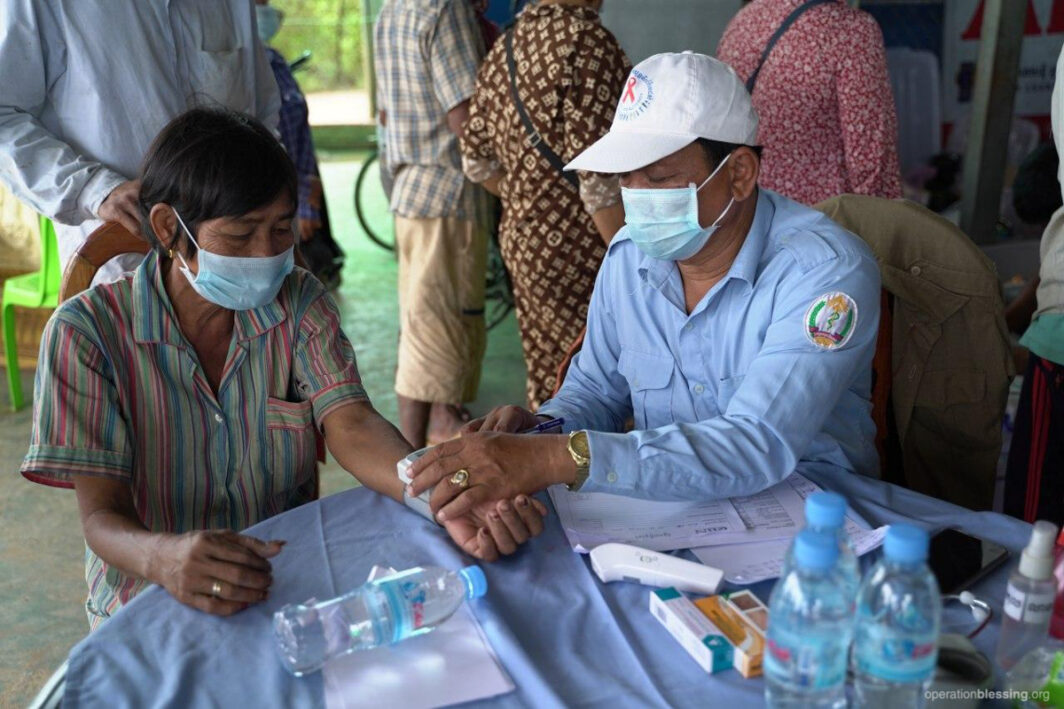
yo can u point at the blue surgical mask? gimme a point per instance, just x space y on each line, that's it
269 21
664 223
237 282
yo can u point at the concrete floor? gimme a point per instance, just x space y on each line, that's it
42 586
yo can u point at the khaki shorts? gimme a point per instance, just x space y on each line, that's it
442 262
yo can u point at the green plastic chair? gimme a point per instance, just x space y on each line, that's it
32 290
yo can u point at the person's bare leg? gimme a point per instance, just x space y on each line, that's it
414 420
445 421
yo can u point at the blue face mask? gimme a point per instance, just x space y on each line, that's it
234 282
269 21
664 223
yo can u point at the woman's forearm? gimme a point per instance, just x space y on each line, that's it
367 446
113 530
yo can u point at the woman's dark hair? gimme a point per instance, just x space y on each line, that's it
716 150
209 163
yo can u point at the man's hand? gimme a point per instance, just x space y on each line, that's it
189 565
496 528
501 466
505 419
121 206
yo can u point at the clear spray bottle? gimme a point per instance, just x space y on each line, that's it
1029 598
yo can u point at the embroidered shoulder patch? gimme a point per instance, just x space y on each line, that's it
831 320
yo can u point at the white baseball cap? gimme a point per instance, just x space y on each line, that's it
668 102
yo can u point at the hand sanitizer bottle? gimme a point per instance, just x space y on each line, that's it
1029 598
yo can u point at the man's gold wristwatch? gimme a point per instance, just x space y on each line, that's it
581 452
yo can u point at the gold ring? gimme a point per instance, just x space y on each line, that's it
216 589
461 478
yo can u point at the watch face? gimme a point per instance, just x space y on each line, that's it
579 444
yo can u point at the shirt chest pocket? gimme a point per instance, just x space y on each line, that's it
650 382
292 454
220 75
726 390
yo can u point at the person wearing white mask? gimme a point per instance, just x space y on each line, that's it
736 326
186 401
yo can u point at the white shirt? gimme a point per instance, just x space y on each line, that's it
1051 288
86 85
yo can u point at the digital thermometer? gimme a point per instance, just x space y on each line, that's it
624 562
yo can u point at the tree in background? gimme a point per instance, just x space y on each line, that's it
332 30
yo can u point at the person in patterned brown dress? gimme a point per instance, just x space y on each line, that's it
570 72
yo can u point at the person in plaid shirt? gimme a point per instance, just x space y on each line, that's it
320 251
426 54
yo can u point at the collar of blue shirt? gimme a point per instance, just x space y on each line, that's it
664 276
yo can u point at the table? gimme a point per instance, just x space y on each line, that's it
565 638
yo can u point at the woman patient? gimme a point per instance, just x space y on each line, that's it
183 401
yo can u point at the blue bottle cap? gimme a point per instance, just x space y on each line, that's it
815 550
825 509
475 581
906 544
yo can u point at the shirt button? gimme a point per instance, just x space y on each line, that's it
218 418
699 388
915 270
688 327
612 477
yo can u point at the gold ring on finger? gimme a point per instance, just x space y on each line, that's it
461 478
216 589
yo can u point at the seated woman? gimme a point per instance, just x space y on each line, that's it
183 401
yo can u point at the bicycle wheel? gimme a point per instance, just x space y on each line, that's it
371 205
498 293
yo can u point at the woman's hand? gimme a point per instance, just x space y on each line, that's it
192 566
497 528
498 466
504 419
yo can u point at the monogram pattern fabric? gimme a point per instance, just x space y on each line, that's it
570 72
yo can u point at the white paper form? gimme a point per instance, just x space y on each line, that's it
591 519
452 664
749 563
777 513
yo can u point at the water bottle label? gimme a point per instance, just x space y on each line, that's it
414 593
894 656
1033 608
406 602
806 659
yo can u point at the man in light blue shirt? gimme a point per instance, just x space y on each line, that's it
742 349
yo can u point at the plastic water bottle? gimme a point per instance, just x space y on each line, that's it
381 612
899 610
826 512
1029 598
1040 676
809 628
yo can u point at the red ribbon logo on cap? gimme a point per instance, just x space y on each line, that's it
637 96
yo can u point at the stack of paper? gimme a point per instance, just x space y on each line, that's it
763 524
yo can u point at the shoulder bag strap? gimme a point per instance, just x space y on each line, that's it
784 26
533 137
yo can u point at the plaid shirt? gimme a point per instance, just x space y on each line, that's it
426 54
120 395
295 134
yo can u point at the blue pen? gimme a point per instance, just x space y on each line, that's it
546 426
